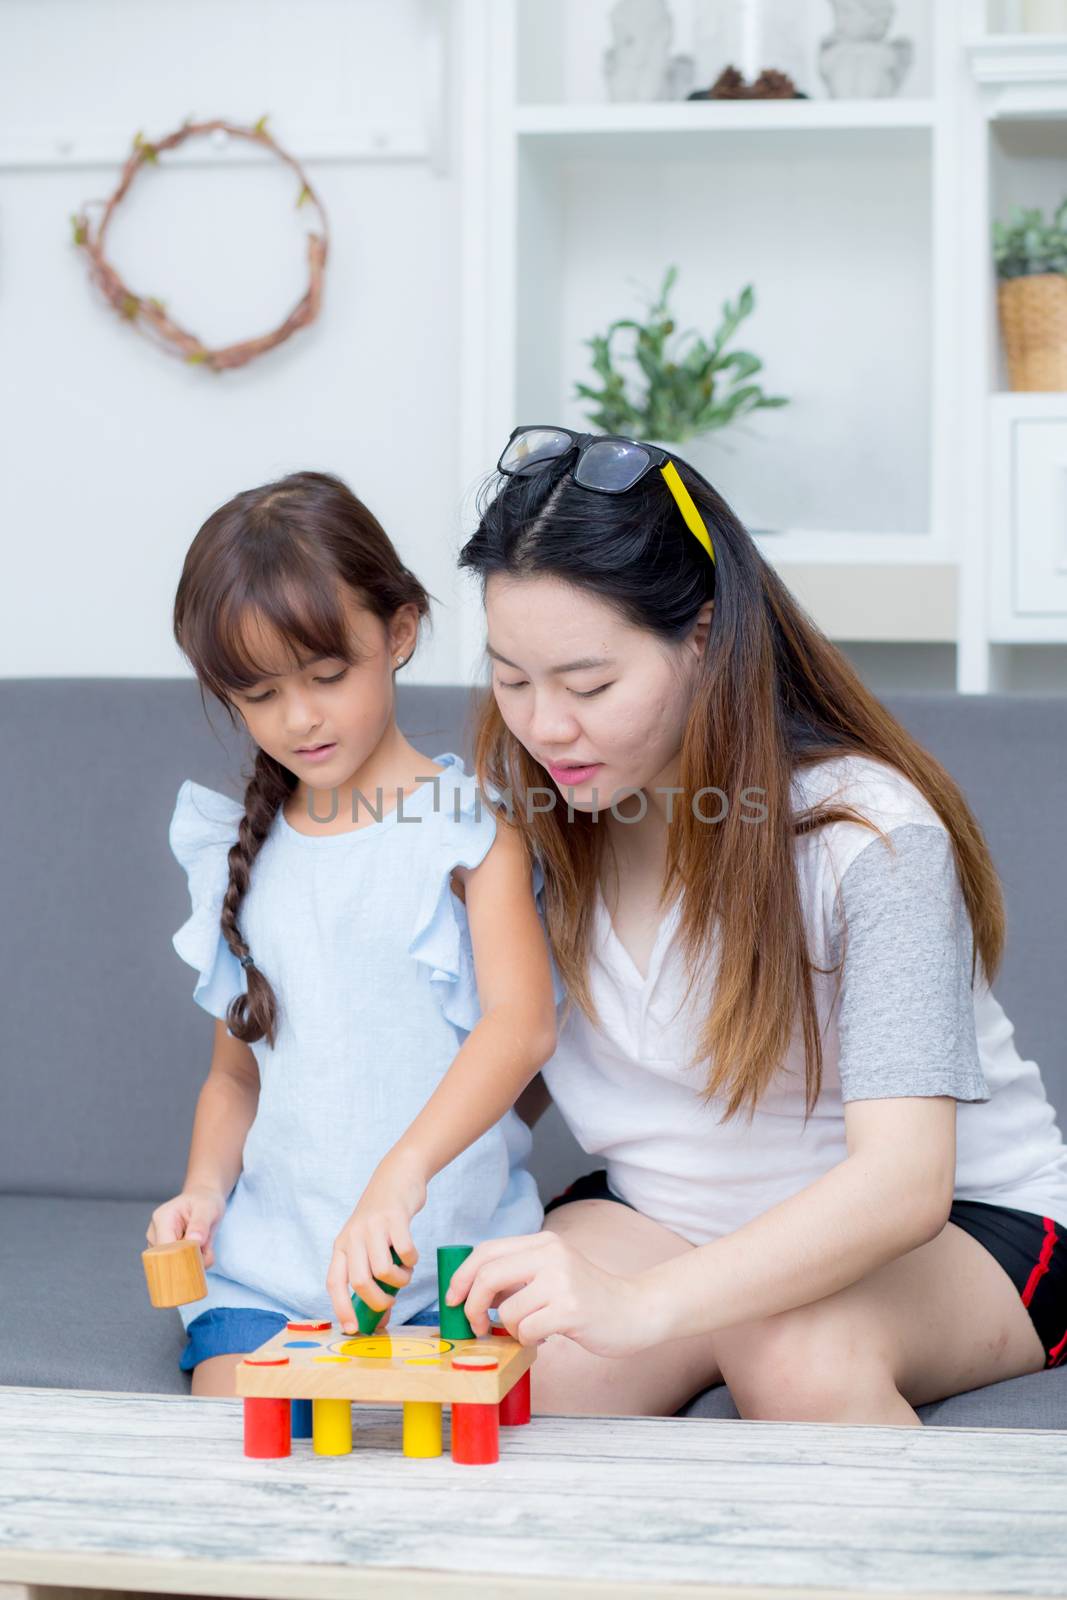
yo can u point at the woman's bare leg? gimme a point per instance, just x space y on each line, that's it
566 1378
942 1318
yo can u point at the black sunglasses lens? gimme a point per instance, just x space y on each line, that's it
612 464
533 448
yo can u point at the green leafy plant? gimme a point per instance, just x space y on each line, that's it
690 386
1027 244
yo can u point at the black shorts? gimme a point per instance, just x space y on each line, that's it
1032 1250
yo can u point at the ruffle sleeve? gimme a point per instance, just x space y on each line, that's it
202 831
442 940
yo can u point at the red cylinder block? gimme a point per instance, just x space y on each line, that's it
267 1427
475 1434
515 1406
475 1427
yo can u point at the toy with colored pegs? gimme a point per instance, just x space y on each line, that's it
174 1272
485 1381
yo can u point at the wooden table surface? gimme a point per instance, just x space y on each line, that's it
153 1493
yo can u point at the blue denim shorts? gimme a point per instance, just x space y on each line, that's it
225 1330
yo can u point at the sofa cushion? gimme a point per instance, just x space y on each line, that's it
76 1309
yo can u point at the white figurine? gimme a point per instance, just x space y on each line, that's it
857 61
638 64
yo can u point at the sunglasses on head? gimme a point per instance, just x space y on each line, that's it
606 463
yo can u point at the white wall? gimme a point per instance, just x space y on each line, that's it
114 451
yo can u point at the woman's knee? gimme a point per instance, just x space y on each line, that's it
805 1364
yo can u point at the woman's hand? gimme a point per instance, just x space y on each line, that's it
542 1285
193 1214
380 1223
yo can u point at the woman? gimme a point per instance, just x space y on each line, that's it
830 1181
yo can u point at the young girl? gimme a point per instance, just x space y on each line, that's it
355 921
829 1179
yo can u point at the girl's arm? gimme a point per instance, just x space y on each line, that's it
516 1033
513 1038
225 1111
892 1193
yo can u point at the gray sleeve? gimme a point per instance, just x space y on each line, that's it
906 1022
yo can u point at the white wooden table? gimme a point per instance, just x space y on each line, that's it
104 1491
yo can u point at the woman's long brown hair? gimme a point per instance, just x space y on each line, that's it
285 553
774 696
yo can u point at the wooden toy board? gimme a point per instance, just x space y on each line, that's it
327 1364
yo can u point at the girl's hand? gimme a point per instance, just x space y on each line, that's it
380 1223
542 1285
193 1214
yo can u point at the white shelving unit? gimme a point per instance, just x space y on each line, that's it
864 226
1019 141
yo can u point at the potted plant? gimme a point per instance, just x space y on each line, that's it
1031 263
686 384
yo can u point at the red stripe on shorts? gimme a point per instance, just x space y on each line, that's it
1041 1266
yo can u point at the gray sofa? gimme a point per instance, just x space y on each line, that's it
103 1050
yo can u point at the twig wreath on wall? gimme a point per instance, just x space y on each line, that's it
148 313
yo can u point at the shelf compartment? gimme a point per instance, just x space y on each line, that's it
851 458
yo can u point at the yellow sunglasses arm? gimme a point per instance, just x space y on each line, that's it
686 505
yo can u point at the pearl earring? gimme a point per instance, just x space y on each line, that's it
400 661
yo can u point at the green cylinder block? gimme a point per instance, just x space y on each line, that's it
367 1319
454 1324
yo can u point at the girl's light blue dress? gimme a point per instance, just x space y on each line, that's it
368 952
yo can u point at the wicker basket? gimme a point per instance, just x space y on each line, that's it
1033 320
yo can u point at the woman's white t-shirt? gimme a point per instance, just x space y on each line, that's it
904 1022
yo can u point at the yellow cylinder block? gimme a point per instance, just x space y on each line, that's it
331 1427
422 1428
